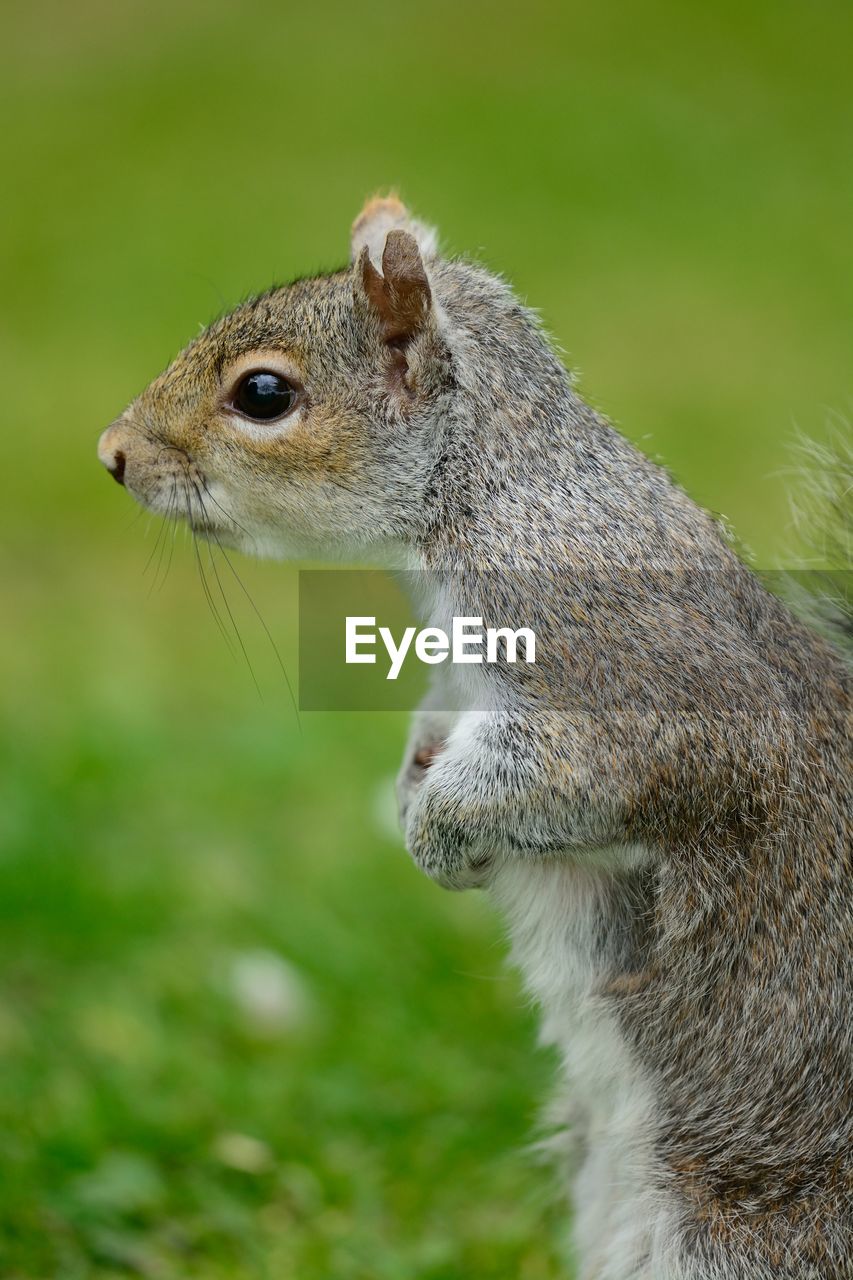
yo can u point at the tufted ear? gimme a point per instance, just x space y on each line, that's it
401 295
381 215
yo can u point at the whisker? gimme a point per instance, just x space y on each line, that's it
227 604
160 528
208 595
267 632
134 519
175 523
157 583
245 591
225 601
211 603
227 514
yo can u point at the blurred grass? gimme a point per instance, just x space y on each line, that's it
670 184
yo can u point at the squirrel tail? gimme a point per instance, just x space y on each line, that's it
823 516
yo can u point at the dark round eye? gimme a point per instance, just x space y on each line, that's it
263 395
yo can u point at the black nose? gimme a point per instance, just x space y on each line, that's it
116 469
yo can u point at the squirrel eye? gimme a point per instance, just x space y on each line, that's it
263 396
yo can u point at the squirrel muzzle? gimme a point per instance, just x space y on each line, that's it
110 451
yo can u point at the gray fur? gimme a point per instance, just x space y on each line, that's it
663 805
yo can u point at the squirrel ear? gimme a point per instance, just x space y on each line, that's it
401 294
381 215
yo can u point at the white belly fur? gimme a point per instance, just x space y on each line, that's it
624 1225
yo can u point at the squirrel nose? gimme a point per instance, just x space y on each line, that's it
116 467
113 458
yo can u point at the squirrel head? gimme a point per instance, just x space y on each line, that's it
308 418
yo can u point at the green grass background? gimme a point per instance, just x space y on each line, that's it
669 183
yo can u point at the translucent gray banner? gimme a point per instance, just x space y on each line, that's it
375 640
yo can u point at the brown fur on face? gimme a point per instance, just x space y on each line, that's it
346 464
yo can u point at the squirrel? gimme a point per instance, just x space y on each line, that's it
662 805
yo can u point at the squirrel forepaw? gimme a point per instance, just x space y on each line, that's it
445 851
